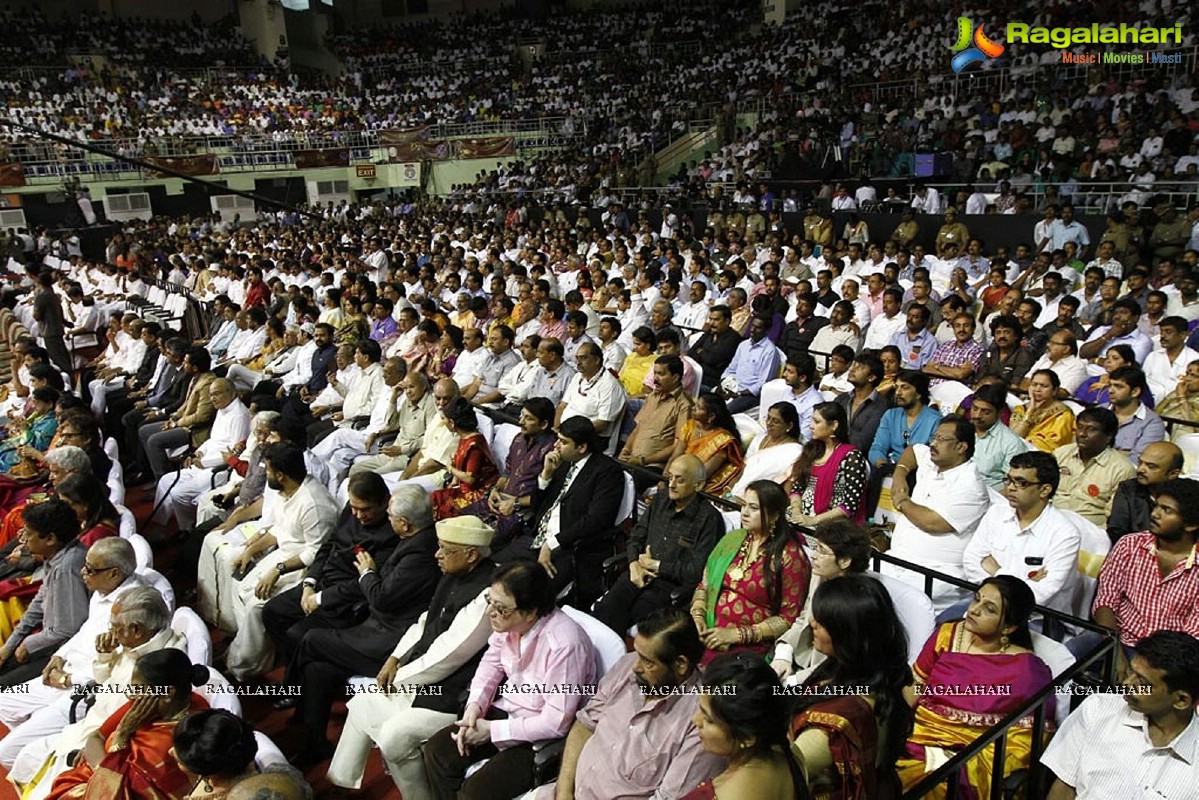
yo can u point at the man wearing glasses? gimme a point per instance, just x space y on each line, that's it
1027 537
939 516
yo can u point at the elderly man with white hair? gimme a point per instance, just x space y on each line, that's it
279 363
140 623
178 491
438 652
41 706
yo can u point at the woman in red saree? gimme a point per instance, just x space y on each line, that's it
472 470
847 742
828 480
989 652
755 581
88 498
130 758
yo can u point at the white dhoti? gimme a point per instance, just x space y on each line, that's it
178 492
31 713
243 378
206 507
215 585
99 389
252 652
390 721
338 450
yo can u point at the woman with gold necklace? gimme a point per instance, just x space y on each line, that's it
990 652
755 580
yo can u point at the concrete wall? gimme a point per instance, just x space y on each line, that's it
264 23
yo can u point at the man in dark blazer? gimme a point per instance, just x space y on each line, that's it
164 398
397 593
574 528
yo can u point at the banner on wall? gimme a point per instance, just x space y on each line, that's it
12 174
314 159
419 151
397 136
188 165
490 147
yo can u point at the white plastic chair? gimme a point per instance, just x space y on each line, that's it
1092 552
219 693
159 581
1188 443
199 643
949 395
128 525
505 435
609 647
1059 659
914 609
142 550
699 374
627 500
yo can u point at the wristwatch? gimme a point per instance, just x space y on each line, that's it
281 567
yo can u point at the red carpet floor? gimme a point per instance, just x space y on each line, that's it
256 710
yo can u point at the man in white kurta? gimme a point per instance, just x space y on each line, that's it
306 516
596 394
41 706
339 449
177 492
936 521
139 625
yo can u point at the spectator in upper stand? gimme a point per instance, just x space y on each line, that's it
755 362
715 348
916 343
1166 365
1134 498
1069 229
1122 330
957 360
884 327
1005 358
994 443
1032 340
799 333
1091 467
1139 427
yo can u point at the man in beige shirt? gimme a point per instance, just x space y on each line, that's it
1092 468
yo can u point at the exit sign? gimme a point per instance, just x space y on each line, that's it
365 170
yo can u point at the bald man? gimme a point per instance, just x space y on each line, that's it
1160 462
178 491
667 550
275 782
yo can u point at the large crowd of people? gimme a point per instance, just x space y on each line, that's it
408 428
518 472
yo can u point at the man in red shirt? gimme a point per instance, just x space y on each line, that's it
1150 580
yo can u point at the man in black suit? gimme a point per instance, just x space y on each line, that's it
165 396
573 531
397 593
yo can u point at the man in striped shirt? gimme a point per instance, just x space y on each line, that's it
1144 743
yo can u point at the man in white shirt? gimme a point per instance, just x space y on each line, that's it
937 519
1139 743
343 445
1061 356
884 326
41 706
1168 363
178 491
1027 537
594 393
470 360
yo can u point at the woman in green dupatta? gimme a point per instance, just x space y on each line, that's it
756 579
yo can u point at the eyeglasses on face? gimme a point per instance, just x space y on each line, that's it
1019 483
501 611
88 569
